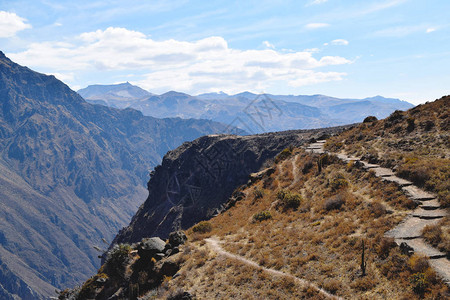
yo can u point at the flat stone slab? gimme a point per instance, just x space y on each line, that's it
422 248
430 204
429 214
316 145
321 141
383 172
347 158
320 151
417 194
367 165
400 181
410 228
442 268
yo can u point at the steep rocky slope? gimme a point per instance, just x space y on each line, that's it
71 174
195 180
254 113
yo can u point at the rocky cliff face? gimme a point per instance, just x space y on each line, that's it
197 179
71 173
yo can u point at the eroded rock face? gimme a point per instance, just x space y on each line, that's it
196 179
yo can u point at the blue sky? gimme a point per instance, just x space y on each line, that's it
342 48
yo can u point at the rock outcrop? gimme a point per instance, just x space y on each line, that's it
198 178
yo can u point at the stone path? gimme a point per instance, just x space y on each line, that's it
429 212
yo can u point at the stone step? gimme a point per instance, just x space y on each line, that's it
367 165
400 181
321 141
320 151
421 247
429 204
442 268
347 158
410 228
417 194
429 214
383 172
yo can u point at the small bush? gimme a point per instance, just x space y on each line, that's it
377 209
370 119
289 199
428 125
284 154
385 246
338 182
411 124
418 264
432 234
117 260
262 215
202 227
419 283
331 285
335 202
258 193
307 166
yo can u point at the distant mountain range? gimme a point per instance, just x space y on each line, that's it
71 173
251 112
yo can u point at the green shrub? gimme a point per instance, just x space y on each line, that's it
289 199
202 227
338 182
419 283
89 288
262 215
284 154
117 260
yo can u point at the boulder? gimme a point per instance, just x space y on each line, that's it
149 247
177 238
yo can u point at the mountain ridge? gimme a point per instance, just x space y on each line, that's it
79 173
280 112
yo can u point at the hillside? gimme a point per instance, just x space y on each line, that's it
180 192
71 174
307 226
251 112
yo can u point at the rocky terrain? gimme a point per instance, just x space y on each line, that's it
324 219
251 112
71 174
195 180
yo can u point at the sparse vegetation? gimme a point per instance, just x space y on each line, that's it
289 199
287 152
321 240
202 227
262 215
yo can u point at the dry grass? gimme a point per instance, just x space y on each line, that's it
316 242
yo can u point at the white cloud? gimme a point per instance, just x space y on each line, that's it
199 66
339 42
10 24
429 30
268 44
314 2
400 31
316 25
